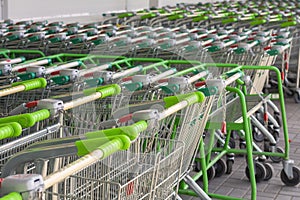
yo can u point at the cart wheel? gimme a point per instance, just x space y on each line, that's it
277 159
269 171
211 173
260 172
277 118
220 167
276 135
197 166
291 182
229 164
232 143
297 97
257 135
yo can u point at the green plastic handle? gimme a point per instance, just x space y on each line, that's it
175 17
10 130
123 15
108 90
258 22
113 146
191 98
32 84
12 196
27 120
148 16
84 147
288 24
61 80
230 20
131 131
200 18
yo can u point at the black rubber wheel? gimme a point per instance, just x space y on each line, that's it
277 118
269 171
229 164
211 173
258 136
197 167
297 97
277 159
276 135
291 182
232 143
220 168
260 172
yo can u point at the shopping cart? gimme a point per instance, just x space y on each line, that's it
164 177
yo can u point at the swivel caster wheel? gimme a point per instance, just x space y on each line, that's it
269 171
260 172
229 164
258 136
277 159
220 167
291 182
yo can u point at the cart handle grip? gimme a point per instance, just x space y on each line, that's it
191 98
108 90
28 119
87 146
32 84
10 130
12 196
131 131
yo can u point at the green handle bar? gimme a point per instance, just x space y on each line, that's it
108 90
191 98
107 144
131 131
10 130
32 84
12 196
28 119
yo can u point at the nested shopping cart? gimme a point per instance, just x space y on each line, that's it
164 180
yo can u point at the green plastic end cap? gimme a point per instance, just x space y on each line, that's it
209 91
94 82
61 80
32 84
80 63
240 50
23 58
273 52
133 86
213 48
27 76
170 88
12 196
10 130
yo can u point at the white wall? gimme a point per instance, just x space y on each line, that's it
17 9
174 2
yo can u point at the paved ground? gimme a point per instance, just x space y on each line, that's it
237 184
